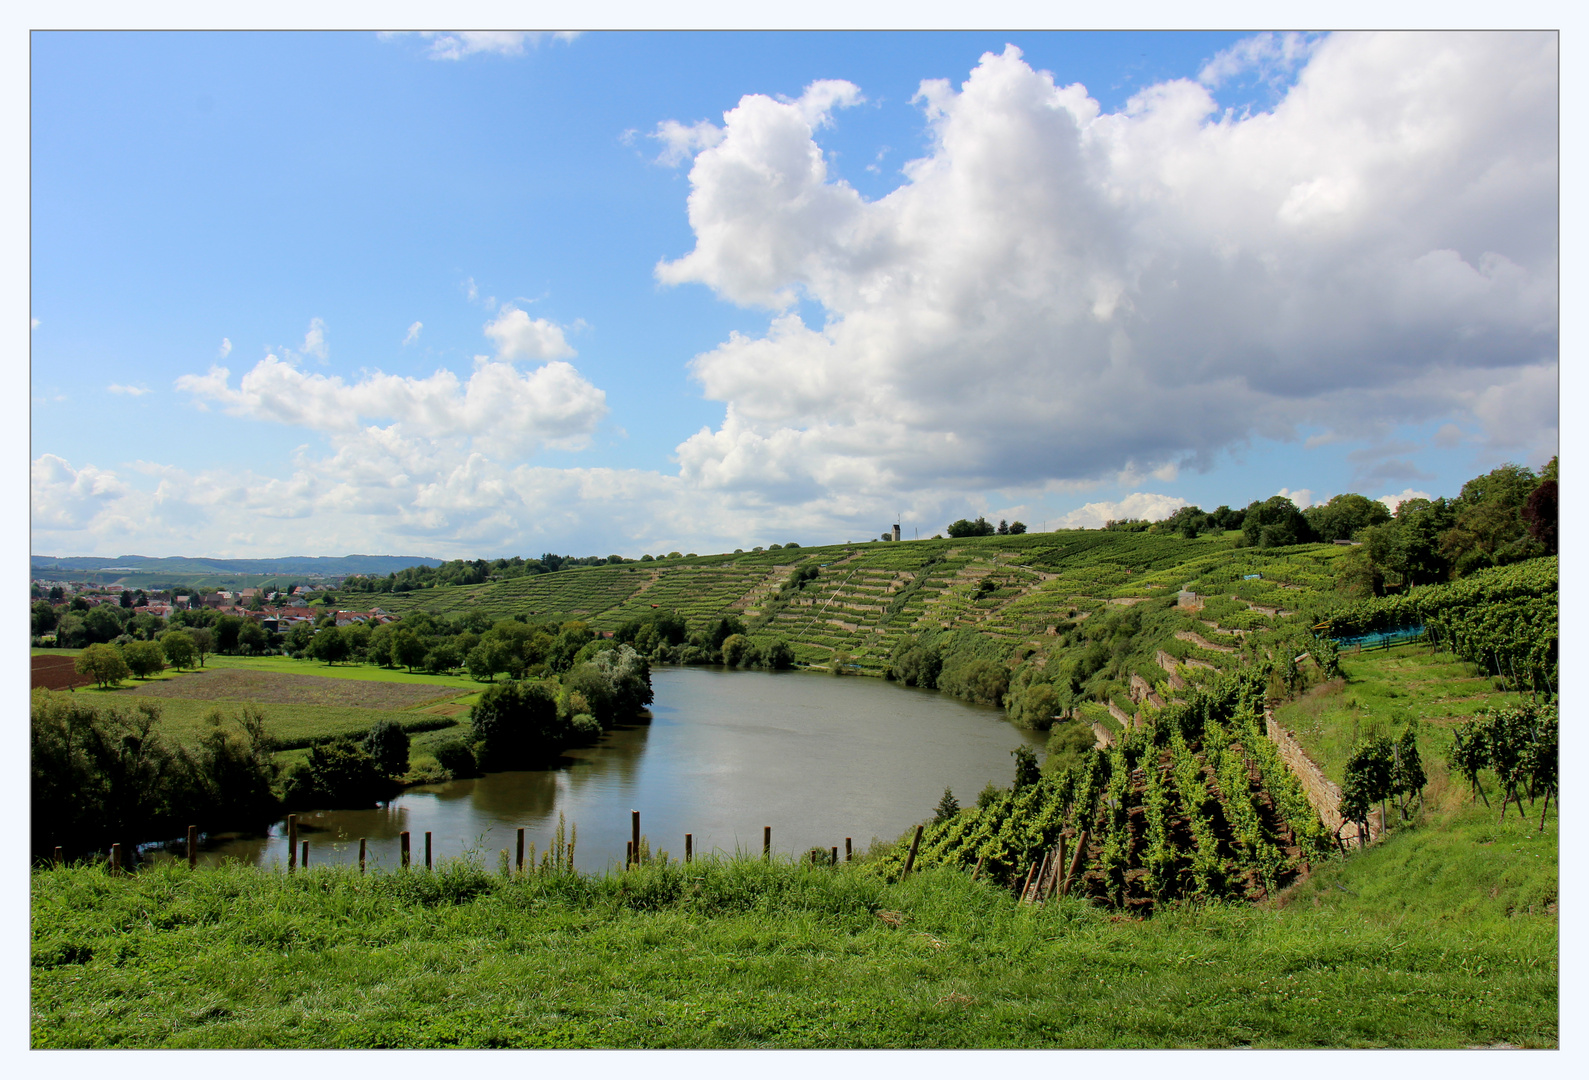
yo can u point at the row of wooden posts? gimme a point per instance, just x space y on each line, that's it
298 851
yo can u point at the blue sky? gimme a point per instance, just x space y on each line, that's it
322 293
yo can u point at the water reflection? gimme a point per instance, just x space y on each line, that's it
725 753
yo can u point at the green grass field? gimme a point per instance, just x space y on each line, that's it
1381 691
1435 938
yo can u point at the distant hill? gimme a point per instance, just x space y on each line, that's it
181 568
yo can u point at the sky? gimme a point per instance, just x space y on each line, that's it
481 295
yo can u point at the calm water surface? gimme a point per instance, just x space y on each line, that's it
817 757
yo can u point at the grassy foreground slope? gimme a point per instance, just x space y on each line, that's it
748 954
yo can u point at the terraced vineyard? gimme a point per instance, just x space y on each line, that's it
1019 592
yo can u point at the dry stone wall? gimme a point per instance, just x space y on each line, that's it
1322 792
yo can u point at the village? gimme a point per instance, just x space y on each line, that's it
63 613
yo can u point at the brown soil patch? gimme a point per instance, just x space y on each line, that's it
58 673
275 688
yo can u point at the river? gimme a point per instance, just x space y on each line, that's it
725 753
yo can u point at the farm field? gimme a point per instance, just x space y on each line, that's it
304 701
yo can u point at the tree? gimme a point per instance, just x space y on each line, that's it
1026 771
328 645
947 807
103 663
203 640
387 744
1017 528
1539 514
252 638
144 658
515 723
735 648
780 655
104 622
1406 773
179 648
1004 527
1276 522
44 617
979 527
1344 516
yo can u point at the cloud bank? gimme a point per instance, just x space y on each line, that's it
1056 292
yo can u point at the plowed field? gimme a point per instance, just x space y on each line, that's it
58 673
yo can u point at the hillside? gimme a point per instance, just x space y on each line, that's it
1027 599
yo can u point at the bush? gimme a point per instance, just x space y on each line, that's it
516 723
343 773
981 681
457 757
387 744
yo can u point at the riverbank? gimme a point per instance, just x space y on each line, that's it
752 954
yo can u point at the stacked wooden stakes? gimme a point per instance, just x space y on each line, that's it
1052 875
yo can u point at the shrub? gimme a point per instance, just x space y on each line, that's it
387 744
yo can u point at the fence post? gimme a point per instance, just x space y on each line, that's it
689 846
60 859
848 854
975 873
427 850
835 860
766 842
402 847
361 854
628 853
292 842
910 860
115 858
305 859
519 863
634 826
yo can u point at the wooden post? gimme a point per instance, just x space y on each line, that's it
193 846
292 842
689 846
60 858
520 861
835 860
1059 867
1075 863
634 827
977 872
628 853
305 859
848 854
766 842
115 858
361 854
427 850
1027 884
910 860
402 847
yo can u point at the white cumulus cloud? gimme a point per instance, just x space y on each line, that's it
1143 505
225 349
457 44
413 332
520 337
1056 293
1393 501
314 340
497 407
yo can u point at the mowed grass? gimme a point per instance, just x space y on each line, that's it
748 954
1381 691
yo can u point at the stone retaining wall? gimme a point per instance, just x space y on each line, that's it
1323 794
